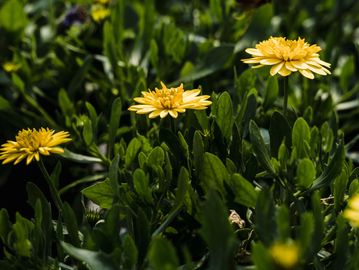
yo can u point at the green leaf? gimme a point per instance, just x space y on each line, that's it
265 225
244 191
340 186
113 176
156 157
279 129
259 147
327 137
141 185
79 76
79 158
12 16
87 132
305 173
5 225
217 232
162 255
22 230
100 193
94 260
261 257
116 111
301 137
272 91
184 145
223 115
341 244
130 252
215 59
247 112
131 152
305 234
198 151
333 169
283 224
213 173
71 224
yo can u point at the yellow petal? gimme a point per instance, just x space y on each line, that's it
274 70
307 73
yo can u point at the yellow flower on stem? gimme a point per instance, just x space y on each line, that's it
99 13
31 143
172 101
11 67
285 255
351 213
287 56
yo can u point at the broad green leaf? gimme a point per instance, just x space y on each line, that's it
156 157
279 130
22 229
213 173
130 252
353 187
5 225
244 191
116 111
79 157
265 225
223 115
184 145
341 244
95 260
142 185
113 176
217 232
306 231
283 223
162 255
340 186
71 224
301 137
305 173
12 16
327 137
247 112
272 91
131 152
87 132
259 147
100 193
261 257
332 170
142 234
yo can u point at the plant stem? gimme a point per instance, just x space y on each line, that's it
285 95
53 190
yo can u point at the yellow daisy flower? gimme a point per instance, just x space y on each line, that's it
174 100
287 56
285 255
30 143
99 13
352 211
11 67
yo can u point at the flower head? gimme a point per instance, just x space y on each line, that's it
287 56
352 211
99 13
172 101
11 67
30 143
285 255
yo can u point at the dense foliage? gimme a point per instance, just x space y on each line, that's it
240 185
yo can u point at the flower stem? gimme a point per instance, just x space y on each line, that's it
53 190
285 95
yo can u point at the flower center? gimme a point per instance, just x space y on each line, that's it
169 98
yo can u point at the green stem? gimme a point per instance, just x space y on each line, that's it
53 190
285 95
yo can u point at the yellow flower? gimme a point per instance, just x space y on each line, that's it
174 100
99 13
285 255
352 211
30 143
11 67
103 2
287 56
